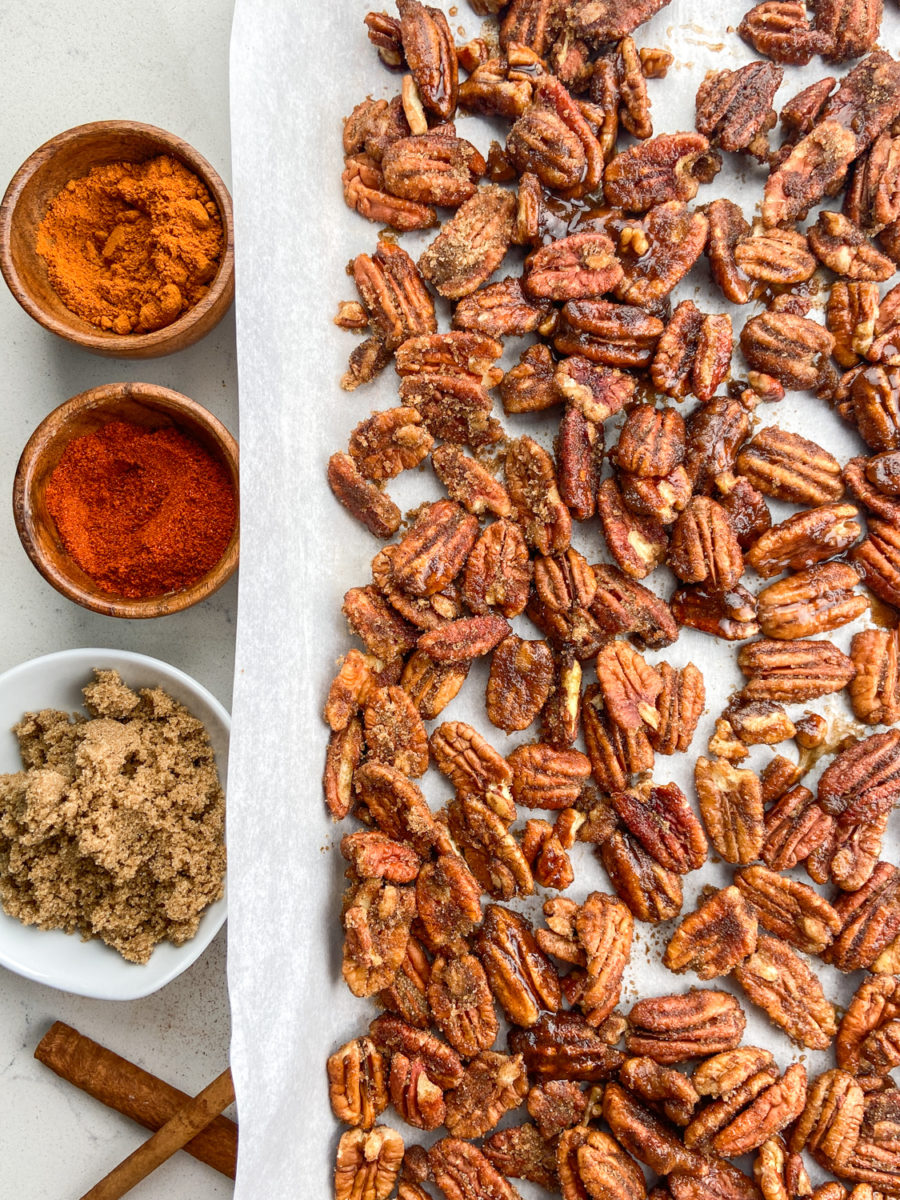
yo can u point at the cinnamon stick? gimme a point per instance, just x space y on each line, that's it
188 1121
121 1085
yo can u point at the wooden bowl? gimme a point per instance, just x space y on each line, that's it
42 177
141 404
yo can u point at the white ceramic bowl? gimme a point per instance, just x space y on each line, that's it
63 960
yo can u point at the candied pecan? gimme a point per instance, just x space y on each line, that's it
368 1163
672 237
415 1096
394 731
780 30
363 120
724 1182
376 919
715 432
651 891
431 54
555 1106
734 108
851 25
729 615
493 1084
754 1112
453 407
396 301
345 748
651 441
432 168
714 938
645 1135
389 442
792 349
875 691
746 509
781 983
547 778
471 764
758 722
546 855
861 781
664 823
579 454
357 676
590 1163
531 481
460 1000
723 1074
790 467
561 716
680 705
463 1172
775 256
552 140
815 166
615 753
384 34
624 606
668 167
830 1123
363 499
629 685
870 199
727 228
434 550
816 600
804 539
528 386
634 103
521 1152
492 853
658 497
372 855
704 548
465 639
500 309
793 671
671 1029
851 854
520 680
598 392
595 936
356 1083
660 1085
618 335
562 1045
520 975
448 898
789 909
383 630
396 806
491 90
498 572
693 353
801 112
406 994
638 544
432 685
464 353
878 560
883 472
472 244
731 806
468 482
867 99
780 1174
868 1040
580 266
875 402
365 191
844 248
565 581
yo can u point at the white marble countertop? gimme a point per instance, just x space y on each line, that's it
65 63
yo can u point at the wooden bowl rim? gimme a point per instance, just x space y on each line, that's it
53 428
221 286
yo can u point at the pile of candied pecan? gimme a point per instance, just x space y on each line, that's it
609 232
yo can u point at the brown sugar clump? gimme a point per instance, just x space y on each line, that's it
130 246
115 827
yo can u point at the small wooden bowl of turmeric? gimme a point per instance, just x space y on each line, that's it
126 500
119 237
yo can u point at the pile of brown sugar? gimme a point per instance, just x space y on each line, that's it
115 826
130 246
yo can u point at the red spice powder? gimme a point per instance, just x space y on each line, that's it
143 512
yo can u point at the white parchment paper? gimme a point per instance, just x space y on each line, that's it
297 68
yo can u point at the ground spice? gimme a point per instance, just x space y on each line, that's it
115 826
143 512
130 246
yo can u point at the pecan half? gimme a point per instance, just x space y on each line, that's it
661 1085
389 442
528 386
775 256
555 1106
595 937
851 314
781 983
788 909
657 251
868 1039
433 168
472 244
500 310
367 1164
615 753
878 560
498 572
793 671
714 938
463 640
462 1172
729 615
492 853
471 764
521 1152
804 539
875 691
356 1083
651 891
657 497
852 26
362 499
695 1024
562 1045
619 335
795 827
434 550
519 973
651 441
460 1001
664 823
816 600
830 1123
579 454
374 856
520 680
680 705
448 901
394 731
790 467
875 401
468 482
715 432
703 548
365 191
645 1135
596 391
431 54
780 30
860 783
775 1105
792 349
376 921
493 1084
345 748
669 167
624 606
629 686
844 248
727 227
547 778
531 482
780 1174
583 265
638 544
693 354
734 108
731 806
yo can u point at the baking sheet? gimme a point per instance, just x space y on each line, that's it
296 70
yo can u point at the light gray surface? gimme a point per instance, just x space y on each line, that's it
66 63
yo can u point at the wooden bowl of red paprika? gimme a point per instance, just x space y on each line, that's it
93 275
125 499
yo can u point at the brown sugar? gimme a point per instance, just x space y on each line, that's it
115 826
130 246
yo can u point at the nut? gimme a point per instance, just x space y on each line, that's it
665 825
619 335
729 615
396 806
727 227
624 606
714 938
520 681
590 1163
703 548
373 856
546 854
365 192
669 167
715 433
628 685
615 753
429 49
661 1085
389 442
520 974
641 1132
875 691
465 639
406 996
367 1164
472 244
781 983
871 920
492 1085
596 391
434 550
433 168
448 899
851 315
788 909
471 764
731 806
775 256
651 441
521 1152
531 482
362 499
583 265
680 705
394 731
674 238
547 778
579 453
345 748
792 349
830 1123
776 1104
868 1039
553 140
816 600
555 1106
416 1097
468 482
498 572
561 1045
875 397
796 826
734 108
844 248
490 850
376 920
804 539
462 1171
878 560
793 671
528 386
561 715
638 544
695 1024
651 891
852 26
860 782
356 1083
